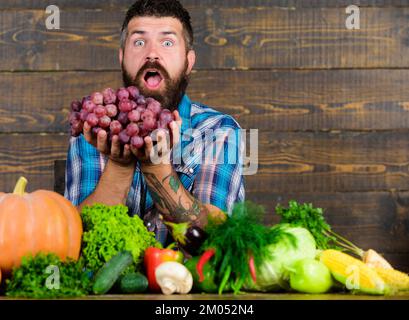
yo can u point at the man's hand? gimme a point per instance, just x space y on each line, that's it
123 157
161 151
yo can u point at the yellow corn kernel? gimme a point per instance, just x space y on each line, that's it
394 278
352 272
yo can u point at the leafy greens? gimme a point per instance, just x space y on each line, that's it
67 278
306 216
109 230
242 235
273 273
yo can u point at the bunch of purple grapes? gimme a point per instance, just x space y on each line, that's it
124 112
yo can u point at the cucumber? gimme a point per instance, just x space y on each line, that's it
110 272
134 282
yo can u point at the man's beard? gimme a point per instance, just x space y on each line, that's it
174 88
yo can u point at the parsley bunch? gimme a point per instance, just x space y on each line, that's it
46 276
306 216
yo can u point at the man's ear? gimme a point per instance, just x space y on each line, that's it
191 59
121 56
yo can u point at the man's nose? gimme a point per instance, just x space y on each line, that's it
152 53
152 58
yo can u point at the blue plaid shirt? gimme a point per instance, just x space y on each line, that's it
220 184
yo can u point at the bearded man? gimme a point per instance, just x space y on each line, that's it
157 56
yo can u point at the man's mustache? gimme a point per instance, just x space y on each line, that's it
152 65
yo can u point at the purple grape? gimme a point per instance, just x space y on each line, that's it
123 118
123 137
134 105
141 101
86 98
122 94
74 116
96 130
133 92
76 106
109 96
92 119
162 125
147 114
112 110
137 142
125 105
97 98
76 128
140 108
143 132
134 116
83 115
104 122
150 124
89 106
132 129
165 117
155 107
115 127
167 111
100 111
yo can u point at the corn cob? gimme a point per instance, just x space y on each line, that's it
395 279
353 273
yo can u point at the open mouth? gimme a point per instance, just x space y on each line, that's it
152 79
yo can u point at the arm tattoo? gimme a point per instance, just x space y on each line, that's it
167 203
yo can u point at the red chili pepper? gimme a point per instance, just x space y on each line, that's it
252 269
154 257
206 256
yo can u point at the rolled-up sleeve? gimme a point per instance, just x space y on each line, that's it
83 170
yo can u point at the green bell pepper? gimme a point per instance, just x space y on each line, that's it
209 283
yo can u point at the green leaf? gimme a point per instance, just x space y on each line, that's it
174 184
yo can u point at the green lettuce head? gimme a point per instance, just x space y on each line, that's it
273 274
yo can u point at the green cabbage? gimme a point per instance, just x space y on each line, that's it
273 274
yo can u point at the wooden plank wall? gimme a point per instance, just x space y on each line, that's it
331 104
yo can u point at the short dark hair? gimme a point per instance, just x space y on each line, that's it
159 8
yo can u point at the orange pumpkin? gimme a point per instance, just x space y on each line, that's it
42 221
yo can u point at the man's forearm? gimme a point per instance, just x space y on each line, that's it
113 187
174 202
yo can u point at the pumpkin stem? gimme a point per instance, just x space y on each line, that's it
20 187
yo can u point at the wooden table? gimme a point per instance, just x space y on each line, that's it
247 296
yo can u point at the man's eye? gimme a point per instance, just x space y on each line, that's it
138 43
168 43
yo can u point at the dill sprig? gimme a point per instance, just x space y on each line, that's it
241 236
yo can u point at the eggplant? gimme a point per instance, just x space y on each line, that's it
189 237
